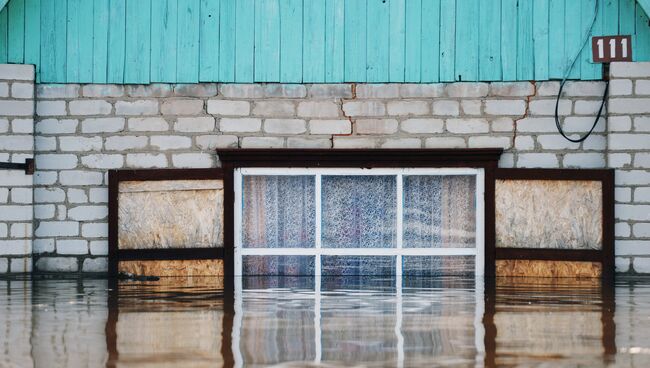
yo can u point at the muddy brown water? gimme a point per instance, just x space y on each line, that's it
307 322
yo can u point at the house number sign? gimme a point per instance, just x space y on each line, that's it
606 49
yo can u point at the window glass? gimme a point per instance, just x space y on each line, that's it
431 266
278 265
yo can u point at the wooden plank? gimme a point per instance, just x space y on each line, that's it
541 38
355 41
588 69
447 40
245 40
397 41
430 63
267 41
489 52
227 40
209 41
509 34
467 20
116 41
3 35
138 41
33 33
645 6
313 45
164 28
2 4
100 40
79 54
525 44
291 41
378 41
556 36
413 55
334 41
641 51
187 49
16 33
573 36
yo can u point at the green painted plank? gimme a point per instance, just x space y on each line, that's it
267 41
3 3
430 41
164 28
645 5
489 52
208 40
509 40
334 41
33 33
291 41
47 40
16 39
466 61
79 54
355 41
573 36
313 44
541 38
187 50
447 40
556 39
525 45
116 41
3 35
413 54
227 40
245 40
377 43
626 18
60 30
588 69
642 43
397 40
100 40
137 53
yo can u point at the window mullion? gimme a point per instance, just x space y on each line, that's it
399 217
318 208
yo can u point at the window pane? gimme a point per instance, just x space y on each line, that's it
358 211
278 265
357 265
428 266
439 211
278 212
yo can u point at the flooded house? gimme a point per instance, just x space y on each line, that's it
324 183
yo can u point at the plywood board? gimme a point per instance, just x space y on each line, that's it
171 268
535 268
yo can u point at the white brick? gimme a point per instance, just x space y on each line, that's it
622 230
24 90
13 178
21 195
230 108
376 126
582 124
146 160
623 194
48 108
76 195
629 141
583 88
446 108
619 159
4 195
377 91
587 108
620 87
408 108
285 90
95 265
632 212
309 143
99 195
170 142
212 142
4 89
16 143
57 228
25 126
4 125
72 247
23 230
402 143
418 126
21 265
240 125
136 108
629 106
330 127
3 230
595 142
465 89
148 125
103 90
149 90
271 108
640 230
50 91
471 107
87 213
44 211
464 126
56 161
53 126
199 124
489 142
80 144
557 142
502 125
512 89
445 142
49 195
505 107
44 177
642 87
584 160
16 108
630 70
120 143
318 109
632 177
17 71
195 89
642 159
57 264
631 247
547 107
262 142
284 126
188 160
542 160
80 178
330 91
4 265
622 264
421 90
642 195
536 125
89 107
241 90
99 247
103 161
354 142
94 230
363 108
642 123
182 107
102 125
15 247
41 246
619 124
641 265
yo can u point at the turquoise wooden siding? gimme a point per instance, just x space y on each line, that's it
304 41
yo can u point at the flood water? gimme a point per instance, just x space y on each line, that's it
306 322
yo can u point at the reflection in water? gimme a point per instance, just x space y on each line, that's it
298 322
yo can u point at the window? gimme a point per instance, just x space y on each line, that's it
339 222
